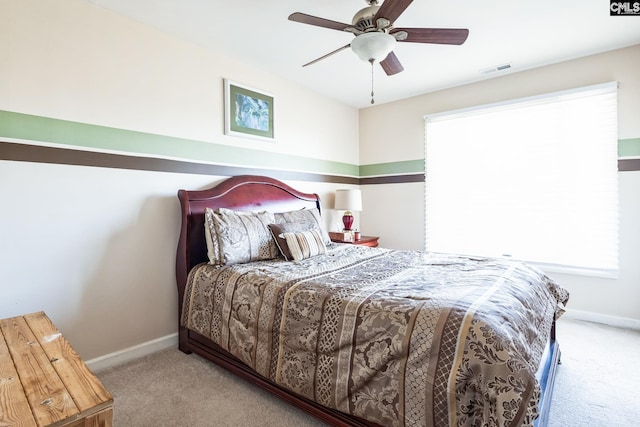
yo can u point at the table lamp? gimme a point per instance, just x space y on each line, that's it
348 200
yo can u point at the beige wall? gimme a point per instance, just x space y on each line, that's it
395 132
76 61
95 247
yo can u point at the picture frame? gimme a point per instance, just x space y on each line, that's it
248 112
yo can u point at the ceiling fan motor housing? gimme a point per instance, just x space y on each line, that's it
363 19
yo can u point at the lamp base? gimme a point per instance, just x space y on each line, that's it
347 220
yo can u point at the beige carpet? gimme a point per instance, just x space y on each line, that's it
596 386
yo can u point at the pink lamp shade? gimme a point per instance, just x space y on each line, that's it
348 200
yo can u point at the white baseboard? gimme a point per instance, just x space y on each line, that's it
606 319
137 351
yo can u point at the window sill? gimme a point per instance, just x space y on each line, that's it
576 271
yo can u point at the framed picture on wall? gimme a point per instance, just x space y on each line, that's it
248 112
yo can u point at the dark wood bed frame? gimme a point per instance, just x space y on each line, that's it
251 192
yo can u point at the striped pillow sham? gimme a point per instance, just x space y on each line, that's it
305 244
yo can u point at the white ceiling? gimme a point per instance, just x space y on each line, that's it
523 33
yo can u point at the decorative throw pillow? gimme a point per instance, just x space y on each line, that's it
310 217
305 244
278 230
241 236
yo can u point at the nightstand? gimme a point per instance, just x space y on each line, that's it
371 241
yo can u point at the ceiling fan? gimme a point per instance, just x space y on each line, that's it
375 35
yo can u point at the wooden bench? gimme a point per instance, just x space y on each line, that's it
43 381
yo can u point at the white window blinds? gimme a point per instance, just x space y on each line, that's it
533 179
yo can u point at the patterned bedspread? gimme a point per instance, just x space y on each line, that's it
400 338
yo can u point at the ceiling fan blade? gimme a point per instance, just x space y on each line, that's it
434 35
318 22
391 65
327 55
392 9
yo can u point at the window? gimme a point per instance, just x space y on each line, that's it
534 179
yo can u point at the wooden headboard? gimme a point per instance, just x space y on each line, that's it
243 192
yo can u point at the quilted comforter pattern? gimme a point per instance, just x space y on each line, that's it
399 338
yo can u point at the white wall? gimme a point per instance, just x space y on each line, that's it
95 247
395 132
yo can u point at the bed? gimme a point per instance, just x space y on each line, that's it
360 336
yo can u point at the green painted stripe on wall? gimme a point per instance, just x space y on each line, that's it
629 147
56 131
626 148
392 168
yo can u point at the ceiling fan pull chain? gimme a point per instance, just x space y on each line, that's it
371 62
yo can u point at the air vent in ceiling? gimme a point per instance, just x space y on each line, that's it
502 67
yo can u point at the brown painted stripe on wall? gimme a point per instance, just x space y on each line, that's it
628 165
393 179
64 156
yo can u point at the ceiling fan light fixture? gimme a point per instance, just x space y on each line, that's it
373 46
